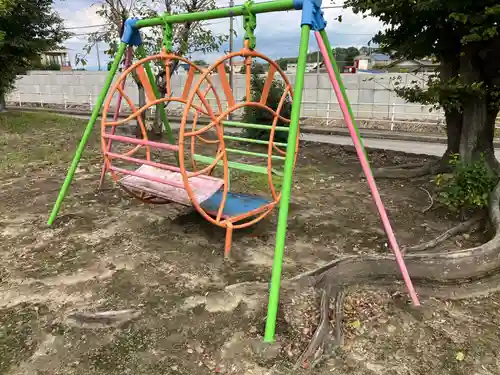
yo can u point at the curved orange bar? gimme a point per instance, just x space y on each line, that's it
217 122
136 114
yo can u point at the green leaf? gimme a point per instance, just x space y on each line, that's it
355 324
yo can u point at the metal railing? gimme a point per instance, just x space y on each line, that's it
391 114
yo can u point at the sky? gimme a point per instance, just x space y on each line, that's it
277 34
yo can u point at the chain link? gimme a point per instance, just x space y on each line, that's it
249 24
168 35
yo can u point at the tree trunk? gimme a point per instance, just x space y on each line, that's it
478 130
449 69
2 102
142 103
162 88
453 131
478 119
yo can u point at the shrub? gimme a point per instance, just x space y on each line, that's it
468 186
255 115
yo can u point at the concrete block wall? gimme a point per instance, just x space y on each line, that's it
371 95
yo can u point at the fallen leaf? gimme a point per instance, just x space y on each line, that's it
460 356
356 324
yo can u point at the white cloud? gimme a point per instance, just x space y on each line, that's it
277 33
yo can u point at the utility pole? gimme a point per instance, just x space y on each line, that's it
317 62
98 57
231 4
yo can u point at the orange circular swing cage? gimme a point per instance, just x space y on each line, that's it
216 125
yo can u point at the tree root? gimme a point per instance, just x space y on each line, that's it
321 332
430 198
463 227
452 275
413 170
406 166
405 173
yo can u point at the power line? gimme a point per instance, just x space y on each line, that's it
83 27
208 23
104 24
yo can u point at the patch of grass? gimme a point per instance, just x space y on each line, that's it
16 331
25 122
37 138
253 182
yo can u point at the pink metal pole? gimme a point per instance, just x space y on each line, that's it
367 172
176 184
126 65
143 142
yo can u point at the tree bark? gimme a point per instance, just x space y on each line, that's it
449 69
478 118
142 103
162 87
453 131
2 102
181 51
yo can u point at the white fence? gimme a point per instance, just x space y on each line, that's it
372 96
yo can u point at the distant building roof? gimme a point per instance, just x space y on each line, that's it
57 50
380 57
374 56
428 63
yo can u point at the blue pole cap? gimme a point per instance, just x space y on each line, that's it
312 15
131 34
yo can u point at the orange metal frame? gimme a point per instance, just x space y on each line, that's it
188 97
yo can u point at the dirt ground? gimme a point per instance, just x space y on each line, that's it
165 265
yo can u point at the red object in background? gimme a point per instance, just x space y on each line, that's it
350 69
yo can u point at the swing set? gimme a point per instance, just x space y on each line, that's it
138 166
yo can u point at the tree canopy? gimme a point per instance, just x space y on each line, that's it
344 56
27 28
187 38
464 37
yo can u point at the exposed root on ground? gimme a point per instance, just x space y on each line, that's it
406 166
430 198
315 347
413 170
451 275
104 319
430 271
463 227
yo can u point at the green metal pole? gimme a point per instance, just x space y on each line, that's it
279 251
86 134
161 106
239 10
328 46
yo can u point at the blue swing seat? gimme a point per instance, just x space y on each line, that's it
236 204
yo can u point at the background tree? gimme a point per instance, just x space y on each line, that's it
256 68
200 62
344 56
464 37
188 38
27 28
256 115
282 63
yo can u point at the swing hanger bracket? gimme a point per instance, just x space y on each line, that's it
249 24
312 15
